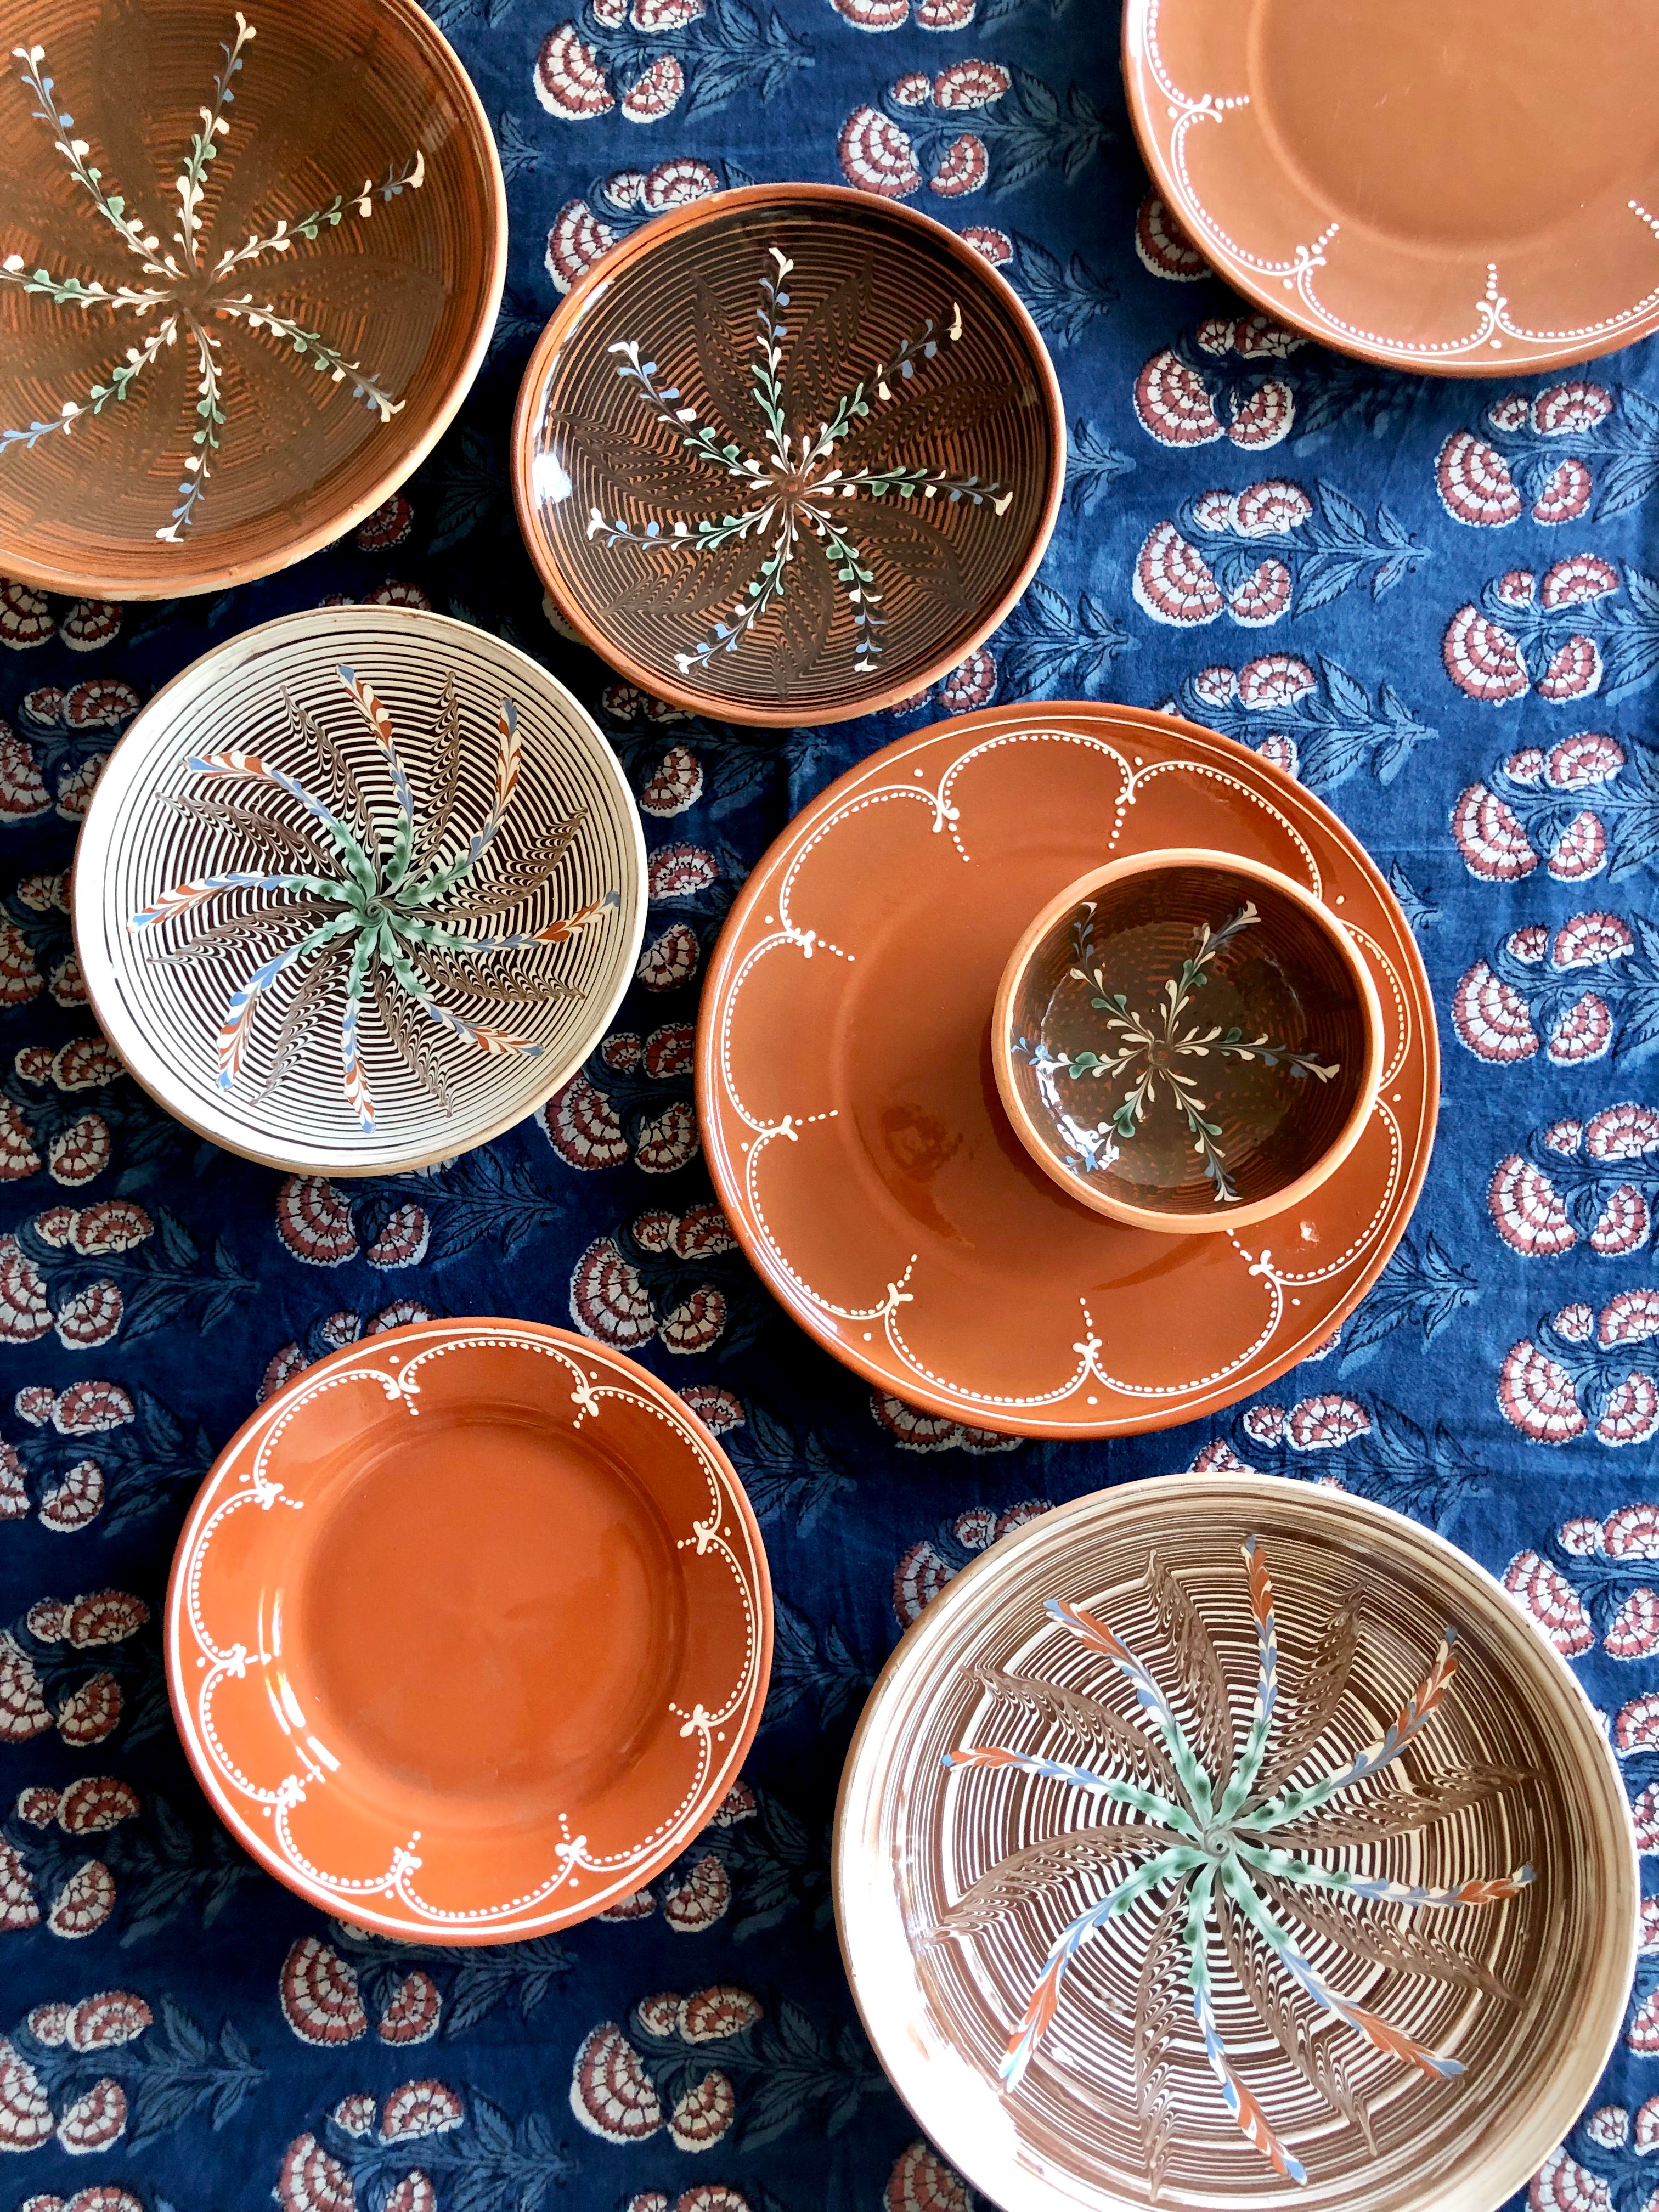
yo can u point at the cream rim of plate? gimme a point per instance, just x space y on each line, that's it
232 700
892 1817
1487 336
1283 1333
247 1474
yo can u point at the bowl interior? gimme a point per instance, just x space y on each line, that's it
334 295
893 454
1188 1038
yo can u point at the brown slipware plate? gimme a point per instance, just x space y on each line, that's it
1470 190
1223 1841
849 1100
358 890
787 454
250 261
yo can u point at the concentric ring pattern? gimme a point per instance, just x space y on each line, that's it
789 454
271 715
1397 1994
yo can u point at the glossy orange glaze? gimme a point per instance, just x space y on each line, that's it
1466 189
897 1216
505 1624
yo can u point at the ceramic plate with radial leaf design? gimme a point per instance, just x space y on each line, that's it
788 453
1220 1841
359 890
469 1710
250 261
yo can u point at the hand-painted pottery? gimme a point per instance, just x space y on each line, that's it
469 1631
1187 1040
359 890
249 266
788 453
849 1100
1472 190
1220 1841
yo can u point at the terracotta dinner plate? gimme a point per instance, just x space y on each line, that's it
787 453
1469 189
1218 1842
250 261
469 1631
848 1100
358 890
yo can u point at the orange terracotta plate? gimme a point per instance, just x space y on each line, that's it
849 1105
1224 1842
469 1631
1468 189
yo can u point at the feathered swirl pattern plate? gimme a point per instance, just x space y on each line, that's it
359 890
1218 1841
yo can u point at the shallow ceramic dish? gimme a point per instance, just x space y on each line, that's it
1471 190
469 1710
1225 1841
358 890
849 1108
787 453
1187 1040
250 262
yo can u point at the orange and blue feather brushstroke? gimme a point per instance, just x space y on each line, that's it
1220 1853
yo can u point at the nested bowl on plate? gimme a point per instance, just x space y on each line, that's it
787 453
1187 1040
358 890
469 1631
250 261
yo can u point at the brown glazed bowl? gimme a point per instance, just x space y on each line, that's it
250 261
1187 1040
787 453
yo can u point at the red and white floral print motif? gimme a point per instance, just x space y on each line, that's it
1561 2185
611 2092
1544 1592
920 2181
1163 247
317 1993
698 1898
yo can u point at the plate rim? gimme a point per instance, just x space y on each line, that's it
314 621
412 1333
1026 2190
595 281
1408 358
727 1183
413 20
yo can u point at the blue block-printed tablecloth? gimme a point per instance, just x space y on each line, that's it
1436 601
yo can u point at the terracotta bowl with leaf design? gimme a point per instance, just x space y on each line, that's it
1187 1041
250 261
787 454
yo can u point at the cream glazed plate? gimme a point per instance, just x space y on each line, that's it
358 890
1217 1842
849 1100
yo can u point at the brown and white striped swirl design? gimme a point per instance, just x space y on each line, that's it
1120 2105
164 1016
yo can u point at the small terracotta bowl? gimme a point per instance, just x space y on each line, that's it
1187 1040
787 454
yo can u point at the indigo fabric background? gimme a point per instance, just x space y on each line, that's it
1436 602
